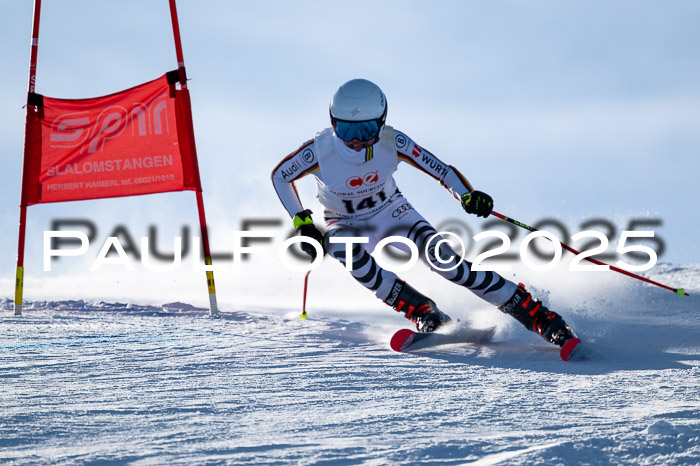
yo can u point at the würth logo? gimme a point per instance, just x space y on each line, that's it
417 151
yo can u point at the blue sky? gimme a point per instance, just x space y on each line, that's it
573 110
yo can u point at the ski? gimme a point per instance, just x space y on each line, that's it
571 349
406 339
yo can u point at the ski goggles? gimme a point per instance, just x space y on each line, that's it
362 130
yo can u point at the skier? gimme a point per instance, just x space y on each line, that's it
353 162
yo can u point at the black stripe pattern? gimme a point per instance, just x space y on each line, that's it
489 286
364 268
481 283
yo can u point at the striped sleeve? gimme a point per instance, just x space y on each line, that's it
296 165
410 152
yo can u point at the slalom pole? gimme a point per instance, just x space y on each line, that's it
19 277
678 291
213 308
305 314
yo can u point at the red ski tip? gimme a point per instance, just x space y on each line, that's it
402 339
569 348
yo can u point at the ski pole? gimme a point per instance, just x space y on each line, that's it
678 291
305 314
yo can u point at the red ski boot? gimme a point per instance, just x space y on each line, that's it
419 309
536 317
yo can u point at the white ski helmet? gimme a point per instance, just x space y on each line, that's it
358 101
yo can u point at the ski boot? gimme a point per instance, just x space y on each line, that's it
536 317
417 308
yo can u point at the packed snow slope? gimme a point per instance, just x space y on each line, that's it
92 382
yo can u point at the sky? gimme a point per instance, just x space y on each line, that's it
585 113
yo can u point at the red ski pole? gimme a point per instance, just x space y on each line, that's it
678 291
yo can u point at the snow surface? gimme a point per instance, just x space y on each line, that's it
94 382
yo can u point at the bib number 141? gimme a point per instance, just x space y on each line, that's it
366 203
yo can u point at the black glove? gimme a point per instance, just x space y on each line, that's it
477 203
305 226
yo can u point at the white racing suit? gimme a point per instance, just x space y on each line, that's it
360 198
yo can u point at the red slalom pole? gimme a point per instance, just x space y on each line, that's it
19 277
678 291
305 314
178 44
213 308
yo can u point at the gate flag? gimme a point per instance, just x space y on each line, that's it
133 142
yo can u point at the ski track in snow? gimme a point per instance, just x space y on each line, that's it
106 382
